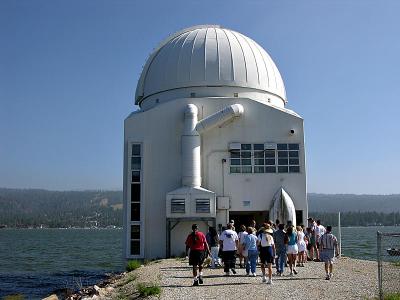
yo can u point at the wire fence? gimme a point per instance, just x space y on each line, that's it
388 246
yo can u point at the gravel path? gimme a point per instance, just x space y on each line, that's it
353 279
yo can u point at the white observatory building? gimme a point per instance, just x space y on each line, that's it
212 141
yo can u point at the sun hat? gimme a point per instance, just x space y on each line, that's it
267 229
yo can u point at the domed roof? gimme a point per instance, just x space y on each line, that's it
209 56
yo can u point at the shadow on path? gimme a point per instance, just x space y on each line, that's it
208 285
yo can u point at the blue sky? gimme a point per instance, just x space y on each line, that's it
68 73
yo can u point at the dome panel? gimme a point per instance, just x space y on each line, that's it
209 56
197 66
185 56
225 59
249 59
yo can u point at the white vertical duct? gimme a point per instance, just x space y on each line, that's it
191 175
191 172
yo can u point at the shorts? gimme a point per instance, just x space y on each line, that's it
327 255
266 255
196 257
292 249
301 246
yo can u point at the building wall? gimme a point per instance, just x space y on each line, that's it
159 130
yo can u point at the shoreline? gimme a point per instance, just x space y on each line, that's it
353 279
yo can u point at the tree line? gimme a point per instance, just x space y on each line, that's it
358 218
36 207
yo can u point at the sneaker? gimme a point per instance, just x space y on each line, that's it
330 275
327 277
264 279
195 283
295 272
269 281
247 274
201 279
227 274
254 274
233 271
291 274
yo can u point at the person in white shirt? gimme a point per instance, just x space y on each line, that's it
267 251
319 231
229 241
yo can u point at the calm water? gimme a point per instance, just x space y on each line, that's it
36 262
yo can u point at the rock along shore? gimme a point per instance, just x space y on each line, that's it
352 279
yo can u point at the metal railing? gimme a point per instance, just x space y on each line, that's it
388 257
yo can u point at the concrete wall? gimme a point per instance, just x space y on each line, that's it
160 129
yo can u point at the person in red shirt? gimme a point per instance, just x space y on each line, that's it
197 243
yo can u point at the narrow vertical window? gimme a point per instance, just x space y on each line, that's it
135 199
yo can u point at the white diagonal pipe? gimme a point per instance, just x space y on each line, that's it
220 117
191 160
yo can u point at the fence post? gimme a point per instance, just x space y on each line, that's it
340 235
379 258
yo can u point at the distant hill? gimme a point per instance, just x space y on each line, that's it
36 207
353 203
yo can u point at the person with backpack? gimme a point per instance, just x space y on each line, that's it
213 242
197 243
267 251
280 239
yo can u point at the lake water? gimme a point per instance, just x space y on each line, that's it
36 262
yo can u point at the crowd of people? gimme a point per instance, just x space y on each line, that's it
285 246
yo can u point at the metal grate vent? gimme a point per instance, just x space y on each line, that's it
177 205
202 205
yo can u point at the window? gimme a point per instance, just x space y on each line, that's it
136 238
135 247
202 205
265 158
288 158
177 205
241 160
136 166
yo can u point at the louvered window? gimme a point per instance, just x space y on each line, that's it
177 205
202 205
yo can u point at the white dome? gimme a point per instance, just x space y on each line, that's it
209 56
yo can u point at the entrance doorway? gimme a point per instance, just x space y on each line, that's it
245 217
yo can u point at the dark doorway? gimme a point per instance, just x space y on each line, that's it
245 218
